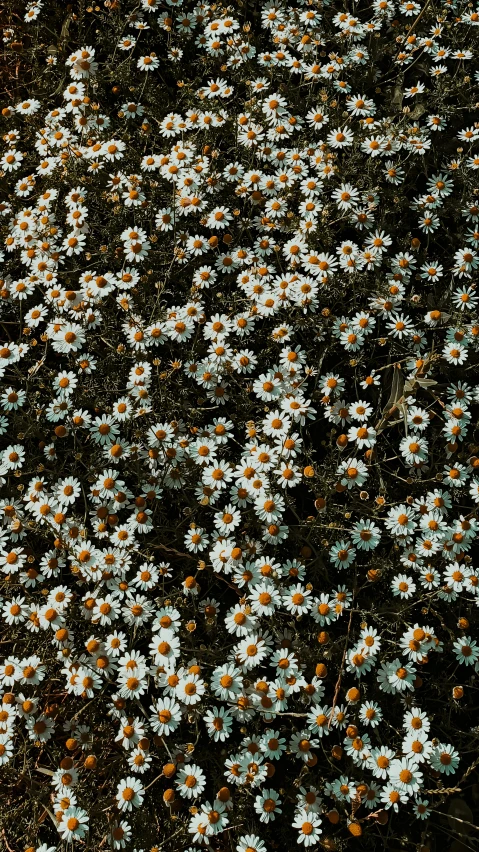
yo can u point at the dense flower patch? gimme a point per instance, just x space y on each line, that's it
239 456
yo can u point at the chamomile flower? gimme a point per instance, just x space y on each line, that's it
190 781
130 794
73 824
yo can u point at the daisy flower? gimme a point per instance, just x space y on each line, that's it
73 824
309 827
444 759
129 794
190 781
267 805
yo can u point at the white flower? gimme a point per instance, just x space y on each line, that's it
444 758
166 716
267 805
250 843
352 472
340 138
218 723
365 535
309 827
130 794
190 689
405 774
190 781
73 824
418 89
466 651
